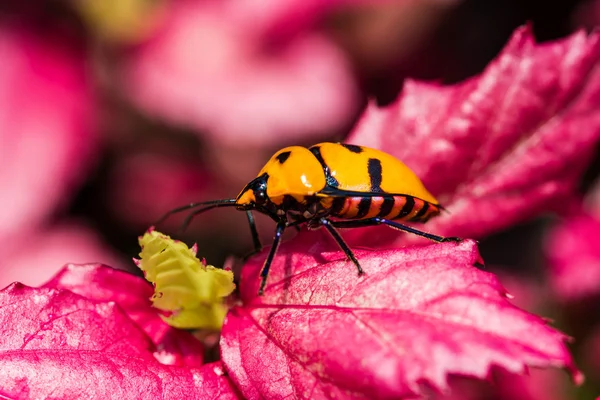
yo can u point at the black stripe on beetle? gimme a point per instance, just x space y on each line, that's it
386 207
408 207
422 211
282 157
337 205
331 181
353 148
375 174
363 207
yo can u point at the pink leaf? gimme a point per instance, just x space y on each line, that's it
46 117
417 315
574 258
537 385
52 319
132 294
145 185
242 84
501 147
57 344
65 242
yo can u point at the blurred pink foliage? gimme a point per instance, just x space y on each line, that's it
147 184
499 148
574 258
48 142
47 146
587 14
54 247
573 275
418 315
535 385
591 356
248 76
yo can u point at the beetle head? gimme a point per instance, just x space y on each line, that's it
254 194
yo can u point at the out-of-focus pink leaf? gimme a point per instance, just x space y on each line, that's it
587 15
146 185
54 247
132 294
46 134
591 354
501 147
536 385
57 344
241 83
526 292
574 258
418 315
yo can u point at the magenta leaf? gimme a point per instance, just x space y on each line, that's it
132 294
58 344
574 258
255 74
46 125
498 148
51 319
66 241
536 385
418 315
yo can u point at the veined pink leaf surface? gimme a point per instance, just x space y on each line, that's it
418 315
498 148
132 294
57 344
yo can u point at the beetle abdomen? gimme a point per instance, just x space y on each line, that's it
405 208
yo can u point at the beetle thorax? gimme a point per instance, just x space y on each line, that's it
293 171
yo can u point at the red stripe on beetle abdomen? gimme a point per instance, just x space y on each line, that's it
431 211
350 209
364 207
408 208
404 208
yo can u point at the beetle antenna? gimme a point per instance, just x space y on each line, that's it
210 205
193 214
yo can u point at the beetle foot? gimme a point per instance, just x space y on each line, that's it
453 239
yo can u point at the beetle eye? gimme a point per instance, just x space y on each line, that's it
260 192
259 189
260 197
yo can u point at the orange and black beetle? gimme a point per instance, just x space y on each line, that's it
333 185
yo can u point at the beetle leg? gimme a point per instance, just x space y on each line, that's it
254 232
340 241
395 225
255 237
276 241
